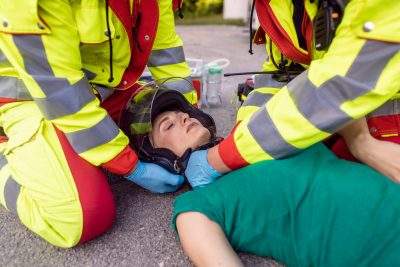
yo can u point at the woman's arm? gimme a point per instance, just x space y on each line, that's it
380 155
204 241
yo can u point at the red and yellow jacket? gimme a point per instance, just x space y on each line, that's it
354 76
58 54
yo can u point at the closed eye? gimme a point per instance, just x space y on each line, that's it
166 124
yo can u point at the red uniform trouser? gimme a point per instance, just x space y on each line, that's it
385 128
54 192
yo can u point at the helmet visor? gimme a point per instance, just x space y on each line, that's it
141 109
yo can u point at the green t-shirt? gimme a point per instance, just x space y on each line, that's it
311 209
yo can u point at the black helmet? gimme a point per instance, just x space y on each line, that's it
144 106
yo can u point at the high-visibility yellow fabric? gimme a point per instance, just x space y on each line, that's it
252 152
345 54
66 56
76 40
191 97
247 110
281 9
268 65
53 48
50 209
20 22
166 37
5 172
179 69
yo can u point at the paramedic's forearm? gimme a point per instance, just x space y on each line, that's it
380 155
215 160
355 135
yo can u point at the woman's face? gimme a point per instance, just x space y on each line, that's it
177 131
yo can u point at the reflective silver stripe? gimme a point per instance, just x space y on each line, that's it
182 86
321 106
62 98
3 161
257 99
33 52
391 107
89 75
268 137
12 87
11 188
66 101
3 58
101 133
168 56
265 80
11 192
104 91
371 61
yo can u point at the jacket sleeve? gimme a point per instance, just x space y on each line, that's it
47 59
167 58
356 75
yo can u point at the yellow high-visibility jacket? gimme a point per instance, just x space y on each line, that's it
358 73
60 54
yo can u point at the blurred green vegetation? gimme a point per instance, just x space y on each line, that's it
190 19
202 7
198 12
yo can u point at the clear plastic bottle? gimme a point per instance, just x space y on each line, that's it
214 86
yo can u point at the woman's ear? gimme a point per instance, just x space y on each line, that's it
151 139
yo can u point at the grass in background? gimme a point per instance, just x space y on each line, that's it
214 19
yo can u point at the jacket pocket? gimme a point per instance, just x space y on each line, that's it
377 20
91 21
15 21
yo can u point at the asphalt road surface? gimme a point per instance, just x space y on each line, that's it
142 233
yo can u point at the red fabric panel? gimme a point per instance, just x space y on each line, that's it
5 100
378 126
94 192
259 37
230 154
175 5
145 35
114 105
197 86
341 150
276 32
123 162
307 33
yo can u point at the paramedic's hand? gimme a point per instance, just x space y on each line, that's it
155 178
381 155
198 171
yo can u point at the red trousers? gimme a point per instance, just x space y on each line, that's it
80 206
385 128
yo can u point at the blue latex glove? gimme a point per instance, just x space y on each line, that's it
155 178
198 170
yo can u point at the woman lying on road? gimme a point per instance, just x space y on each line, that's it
311 209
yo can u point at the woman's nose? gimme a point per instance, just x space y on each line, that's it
184 118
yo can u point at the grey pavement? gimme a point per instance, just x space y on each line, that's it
142 233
